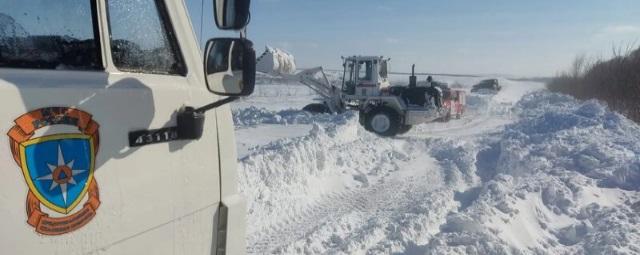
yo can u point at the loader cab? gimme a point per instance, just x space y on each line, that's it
110 140
365 76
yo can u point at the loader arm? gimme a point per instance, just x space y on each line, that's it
316 79
281 63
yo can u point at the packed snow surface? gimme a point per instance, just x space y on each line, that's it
525 171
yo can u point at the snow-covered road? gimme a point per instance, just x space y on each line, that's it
523 172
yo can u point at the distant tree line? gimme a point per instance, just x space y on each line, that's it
615 81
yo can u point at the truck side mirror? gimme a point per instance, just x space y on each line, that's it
231 14
230 66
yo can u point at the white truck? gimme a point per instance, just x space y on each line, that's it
111 143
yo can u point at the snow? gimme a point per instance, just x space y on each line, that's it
524 172
248 140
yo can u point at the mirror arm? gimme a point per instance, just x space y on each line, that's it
216 104
190 126
191 120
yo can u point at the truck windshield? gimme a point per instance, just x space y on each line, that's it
34 35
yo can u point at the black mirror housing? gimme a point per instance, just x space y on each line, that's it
230 66
231 14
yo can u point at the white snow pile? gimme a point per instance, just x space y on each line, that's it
563 179
269 79
252 116
558 176
326 192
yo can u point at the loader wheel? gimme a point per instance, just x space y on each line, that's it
316 108
383 121
448 117
404 129
362 118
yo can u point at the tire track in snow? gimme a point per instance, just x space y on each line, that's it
389 198
385 202
403 209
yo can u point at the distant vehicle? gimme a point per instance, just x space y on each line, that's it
490 85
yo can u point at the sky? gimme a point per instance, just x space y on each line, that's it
510 37
516 37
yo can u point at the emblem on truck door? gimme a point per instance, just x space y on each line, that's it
57 168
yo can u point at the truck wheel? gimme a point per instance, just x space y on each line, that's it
362 118
316 108
404 129
459 114
383 121
447 117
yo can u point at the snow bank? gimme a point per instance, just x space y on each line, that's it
326 192
563 179
539 173
559 134
252 116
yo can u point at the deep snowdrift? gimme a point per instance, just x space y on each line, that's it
563 179
548 175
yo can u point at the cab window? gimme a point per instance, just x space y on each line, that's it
384 67
349 71
58 35
142 39
365 71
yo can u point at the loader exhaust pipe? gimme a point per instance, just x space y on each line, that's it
413 80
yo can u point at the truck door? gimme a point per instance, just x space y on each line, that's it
349 78
76 77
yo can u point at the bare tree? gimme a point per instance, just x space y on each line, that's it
615 81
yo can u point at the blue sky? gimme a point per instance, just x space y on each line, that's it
518 37
528 38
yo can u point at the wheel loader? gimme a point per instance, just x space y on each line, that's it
383 109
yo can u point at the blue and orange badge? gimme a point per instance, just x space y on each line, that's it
58 168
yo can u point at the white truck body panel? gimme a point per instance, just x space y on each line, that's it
155 199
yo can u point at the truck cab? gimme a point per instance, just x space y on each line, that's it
112 141
365 76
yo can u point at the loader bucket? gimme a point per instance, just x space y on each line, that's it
275 61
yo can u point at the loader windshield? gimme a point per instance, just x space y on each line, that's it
348 71
365 70
349 84
384 70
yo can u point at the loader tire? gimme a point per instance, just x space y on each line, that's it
404 129
447 117
383 121
316 108
362 118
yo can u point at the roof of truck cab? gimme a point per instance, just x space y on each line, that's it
364 58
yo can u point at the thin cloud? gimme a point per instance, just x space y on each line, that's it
392 40
620 30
